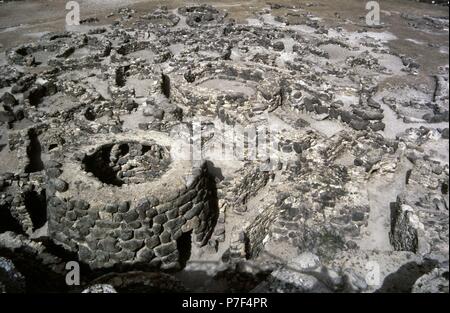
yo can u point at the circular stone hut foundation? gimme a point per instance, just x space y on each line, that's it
127 202
235 93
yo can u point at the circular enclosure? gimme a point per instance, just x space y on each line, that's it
127 162
233 92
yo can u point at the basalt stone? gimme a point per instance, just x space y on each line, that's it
80 205
201 228
101 257
59 184
130 105
377 126
106 224
93 215
18 88
160 219
309 106
56 204
70 205
169 266
85 253
320 109
85 221
152 242
428 117
147 111
34 94
151 213
92 243
124 207
297 146
444 133
194 211
143 205
50 88
8 99
359 124
165 249
135 224
124 255
164 207
132 244
108 245
80 213
310 103
126 234
174 224
144 255
154 201
346 116
171 260
159 114
65 52
71 216
334 113
114 233
436 118
287 148
203 216
130 216
165 237
155 263
200 195
172 213
157 228
143 126
117 218
183 199
184 208
199 236
412 157
200 186
142 233
53 172
176 235
278 46
358 216
368 115
98 233
372 103
111 208
7 117
19 112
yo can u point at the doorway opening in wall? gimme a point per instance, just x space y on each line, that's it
8 222
36 205
184 246
34 151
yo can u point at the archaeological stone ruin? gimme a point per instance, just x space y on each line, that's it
170 146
